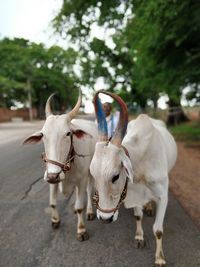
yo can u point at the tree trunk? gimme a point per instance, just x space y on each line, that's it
176 114
29 99
155 107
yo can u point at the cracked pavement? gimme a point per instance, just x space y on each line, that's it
26 236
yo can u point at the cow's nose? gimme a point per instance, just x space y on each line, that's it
109 220
53 178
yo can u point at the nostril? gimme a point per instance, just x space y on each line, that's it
53 177
109 220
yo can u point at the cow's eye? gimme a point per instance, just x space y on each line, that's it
115 178
68 133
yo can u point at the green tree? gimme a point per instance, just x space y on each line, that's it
29 68
156 45
96 58
13 60
166 35
53 72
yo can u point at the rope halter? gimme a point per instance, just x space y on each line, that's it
66 166
122 197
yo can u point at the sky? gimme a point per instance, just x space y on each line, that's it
29 19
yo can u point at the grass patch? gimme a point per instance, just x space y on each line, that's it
187 132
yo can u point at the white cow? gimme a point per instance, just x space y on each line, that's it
133 168
69 147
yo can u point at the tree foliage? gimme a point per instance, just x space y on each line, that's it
167 35
13 61
156 45
29 66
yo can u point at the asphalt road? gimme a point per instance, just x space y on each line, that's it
26 236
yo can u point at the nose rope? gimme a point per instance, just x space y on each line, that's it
122 197
64 166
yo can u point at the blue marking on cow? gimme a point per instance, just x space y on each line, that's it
101 117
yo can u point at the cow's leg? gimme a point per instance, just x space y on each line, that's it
82 234
89 211
139 235
161 192
66 188
55 219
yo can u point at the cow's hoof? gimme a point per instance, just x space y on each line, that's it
150 212
160 262
83 236
90 216
55 225
139 243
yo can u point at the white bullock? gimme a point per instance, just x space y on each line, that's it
133 168
69 146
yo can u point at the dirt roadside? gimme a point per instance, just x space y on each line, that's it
185 180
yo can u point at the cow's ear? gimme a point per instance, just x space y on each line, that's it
80 133
126 164
34 138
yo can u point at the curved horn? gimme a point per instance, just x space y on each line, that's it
102 124
48 110
72 114
123 119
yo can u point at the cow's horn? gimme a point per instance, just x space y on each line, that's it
123 119
72 114
48 110
102 124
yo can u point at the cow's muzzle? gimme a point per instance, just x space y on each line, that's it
53 178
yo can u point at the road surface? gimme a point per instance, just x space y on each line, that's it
26 236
